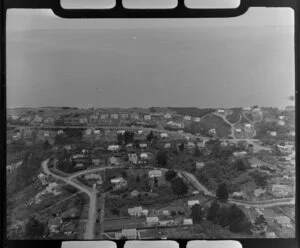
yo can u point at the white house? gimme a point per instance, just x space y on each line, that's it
92 177
221 111
197 119
248 125
199 165
97 132
238 130
121 132
152 221
187 221
239 154
51 187
113 148
163 135
60 132
144 156
113 161
167 116
147 117
212 131
143 145
281 123
128 233
191 145
258 192
103 116
273 133
114 116
167 145
155 173
140 132
193 202
133 158
88 131
135 211
119 182
187 118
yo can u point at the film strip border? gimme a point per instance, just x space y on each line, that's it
119 11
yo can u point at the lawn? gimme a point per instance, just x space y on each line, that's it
234 116
215 122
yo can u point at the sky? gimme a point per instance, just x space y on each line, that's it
226 62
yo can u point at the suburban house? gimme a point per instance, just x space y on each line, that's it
51 187
119 182
212 131
248 125
191 145
187 118
60 132
258 192
113 161
238 130
88 131
281 123
155 173
128 233
199 165
187 221
167 116
135 211
42 177
113 148
281 190
166 222
193 202
175 124
104 116
151 221
124 116
238 194
272 133
197 119
49 120
143 145
134 193
121 132
133 158
163 135
167 145
144 156
83 120
239 154
96 161
97 132
140 132
147 117
282 220
114 116
54 224
222 111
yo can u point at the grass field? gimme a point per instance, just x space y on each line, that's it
211 121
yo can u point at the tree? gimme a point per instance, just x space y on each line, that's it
197 152
178 186
150 136
162 158
222 192
124 174
137 179
197 213
34 229
137 144
46 145
120 139
241 164
170 174
181 147
155 182
260 220
212 211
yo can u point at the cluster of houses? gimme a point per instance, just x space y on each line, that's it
51 188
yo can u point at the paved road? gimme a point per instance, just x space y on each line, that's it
89 234
261 204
